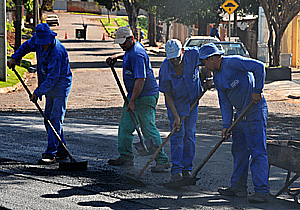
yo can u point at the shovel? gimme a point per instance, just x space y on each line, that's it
144 148
194 179
65 166
169 136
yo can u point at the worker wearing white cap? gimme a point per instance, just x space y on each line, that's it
142 89
179 81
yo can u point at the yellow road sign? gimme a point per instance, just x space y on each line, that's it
230 6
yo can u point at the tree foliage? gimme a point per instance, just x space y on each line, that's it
10 4
110 5
248 7
132 8
42 5
29 6
279 13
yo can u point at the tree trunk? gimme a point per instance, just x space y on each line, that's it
168 31
270 47
132 12
41 8
277 49
108 16
152 29
235 23
278 19
202 26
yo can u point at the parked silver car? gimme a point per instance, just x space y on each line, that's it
199 41
232 48
52 20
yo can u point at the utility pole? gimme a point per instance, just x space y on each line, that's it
18 24
35 13
3 41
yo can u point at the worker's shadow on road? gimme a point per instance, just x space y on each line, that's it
90 189
157 203
69 192
211 201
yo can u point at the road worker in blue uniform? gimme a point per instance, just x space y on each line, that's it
214 31
142 89
238 81
179 81
54 81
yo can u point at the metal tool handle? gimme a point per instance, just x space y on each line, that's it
137 128
43 114
222 140
169 136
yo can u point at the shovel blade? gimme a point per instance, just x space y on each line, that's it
151 147
191 181
181 183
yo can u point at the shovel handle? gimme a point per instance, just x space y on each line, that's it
130 112
43 114
222 140
169 136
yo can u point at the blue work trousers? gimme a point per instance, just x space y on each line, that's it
249 141
183 143
55 112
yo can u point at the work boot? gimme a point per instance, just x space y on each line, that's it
47 159
120 162
159 168
187 174
232 191
259 198
176 177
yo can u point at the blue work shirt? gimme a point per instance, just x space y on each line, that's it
136 64
53 69
184 88
238 78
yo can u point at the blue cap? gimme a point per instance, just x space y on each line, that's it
208 50
173 48
43 34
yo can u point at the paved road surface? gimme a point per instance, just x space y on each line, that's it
91 132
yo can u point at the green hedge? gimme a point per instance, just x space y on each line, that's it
12 79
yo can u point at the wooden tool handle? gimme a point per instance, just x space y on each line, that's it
43 114
222 140
169 136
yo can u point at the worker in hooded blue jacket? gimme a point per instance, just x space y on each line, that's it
179 81
238 81
54 81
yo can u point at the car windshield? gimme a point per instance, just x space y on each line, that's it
198 42
231 48
52 16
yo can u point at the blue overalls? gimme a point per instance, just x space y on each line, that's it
238 78
184 90
54 81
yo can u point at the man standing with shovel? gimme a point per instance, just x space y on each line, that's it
54 81
239 81
143 95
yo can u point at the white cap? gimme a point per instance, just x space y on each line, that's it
173 48
121 34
